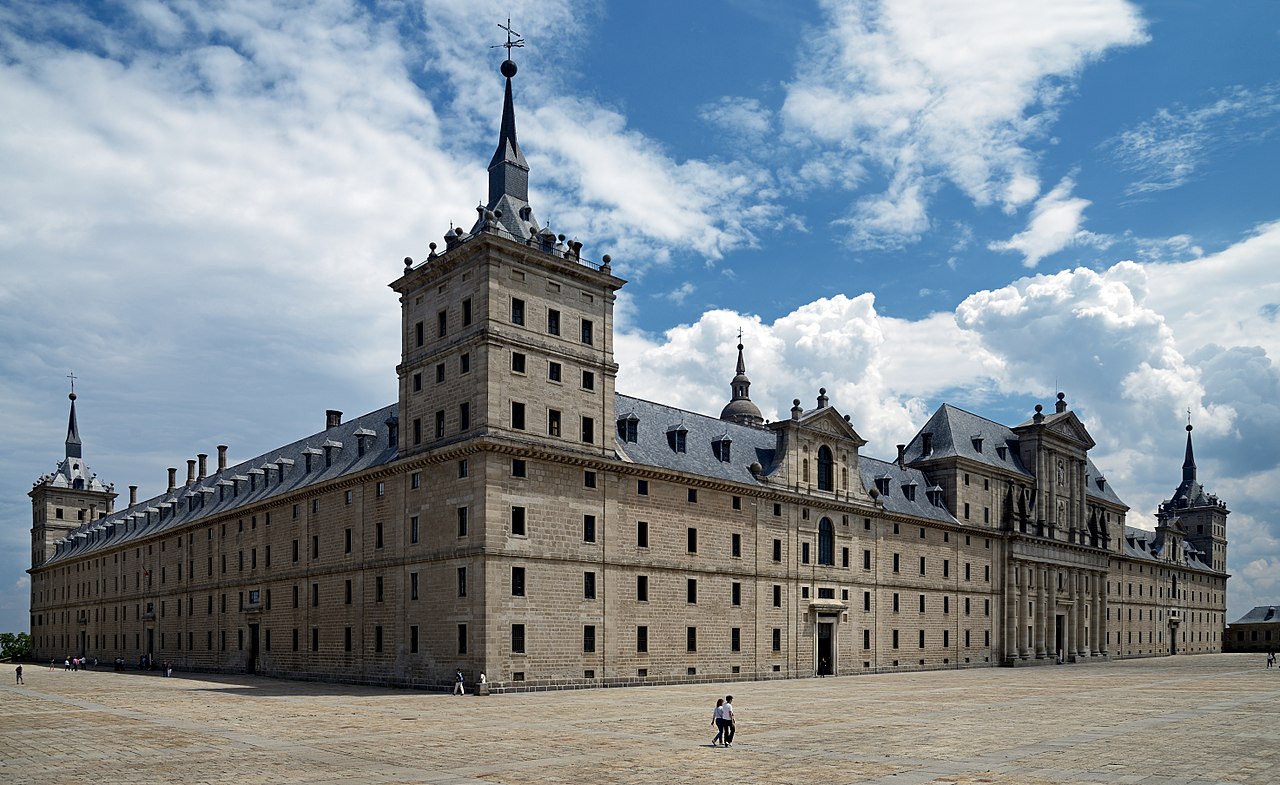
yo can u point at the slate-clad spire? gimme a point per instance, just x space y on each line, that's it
73 431
1189 463
508 207
740 409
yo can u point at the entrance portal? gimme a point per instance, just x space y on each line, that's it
826 649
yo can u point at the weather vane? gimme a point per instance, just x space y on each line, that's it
514 41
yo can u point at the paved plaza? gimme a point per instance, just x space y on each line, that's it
1174 721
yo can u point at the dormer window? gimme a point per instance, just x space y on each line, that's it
977 443
882 484
1003 452
935 495
721 448
909 491
629 428
1102 483
677 438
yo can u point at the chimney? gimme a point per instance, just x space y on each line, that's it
332 419
173 478
191 470
204 457
902 455
927 447
133 495
222 458
393 428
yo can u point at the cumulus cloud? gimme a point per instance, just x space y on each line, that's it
915 90
743 118
1055 224
1166 151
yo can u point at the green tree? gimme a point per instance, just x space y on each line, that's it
14 645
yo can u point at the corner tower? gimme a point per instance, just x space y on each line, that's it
1202 516
507 333
66 498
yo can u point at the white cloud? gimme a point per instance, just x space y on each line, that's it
1165 151
738 117
679 294
916 90
1053 226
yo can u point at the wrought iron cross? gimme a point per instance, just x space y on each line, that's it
72 377
514 41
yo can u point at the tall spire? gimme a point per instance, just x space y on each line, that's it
740 409
508 207
73 430
1189 462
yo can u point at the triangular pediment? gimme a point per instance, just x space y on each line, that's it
1068 424
830 423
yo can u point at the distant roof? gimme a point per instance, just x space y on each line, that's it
957 433
896 498
1263 614
1148 546
656 426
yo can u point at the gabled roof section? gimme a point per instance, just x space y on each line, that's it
1097 487
953 432
1064 423
895 499
653 422
1148 546
1262 614
829 421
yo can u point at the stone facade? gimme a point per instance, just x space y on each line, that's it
513 515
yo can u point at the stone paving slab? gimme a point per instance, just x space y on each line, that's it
1197 720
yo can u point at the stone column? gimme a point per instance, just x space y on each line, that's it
1042 604
1076 617
1012 603
1097 641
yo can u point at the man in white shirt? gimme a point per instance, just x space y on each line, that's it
731 728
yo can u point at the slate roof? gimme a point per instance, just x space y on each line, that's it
954 434
1146 546
213 494
1263 614
652 448
895 498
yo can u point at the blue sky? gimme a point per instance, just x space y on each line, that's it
977 202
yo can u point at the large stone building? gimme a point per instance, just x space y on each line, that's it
513 514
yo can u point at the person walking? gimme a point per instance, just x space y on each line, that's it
1271 659
458 689
18 674
730 722
717 722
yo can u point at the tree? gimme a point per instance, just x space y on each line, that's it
14 645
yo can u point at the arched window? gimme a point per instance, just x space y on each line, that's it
826 542
826 480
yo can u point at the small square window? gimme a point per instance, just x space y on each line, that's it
642 487
588 479
588 380
553 371
519 468
517 362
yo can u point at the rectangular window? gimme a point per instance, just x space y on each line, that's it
439 424
464 416
462 521
588 479
588 380
921 639
946 568
693 494
517 362
895 639
377 589
413 529
517 415
519 468
462 581
347 546
866 601
377 638
462 639
777 596
642 487
777 550
517 581
439 373
553 422
413 639
735 639
315 639
588 585
804 553
347 596
413 585
464 469
415 480
692 540
588 528
691 590
553 371
517 311
588 638
642 639
517 521
691 639
417 439
922 603
417 382
466 312
735 545
777 639
377 534
922 565
588 430
895 602
419 333
588 332
642 534
642 588
517 639
735 596
315 595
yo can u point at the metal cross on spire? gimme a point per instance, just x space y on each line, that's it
72 377
514 41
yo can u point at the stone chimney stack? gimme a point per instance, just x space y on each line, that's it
332 419
902 455
204 458
191 471
222 458
173 478
133 495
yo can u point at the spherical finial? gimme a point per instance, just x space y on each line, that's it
1188 424
822 391
408 261
606 258
1062 396
72 396
508 68
1039 408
